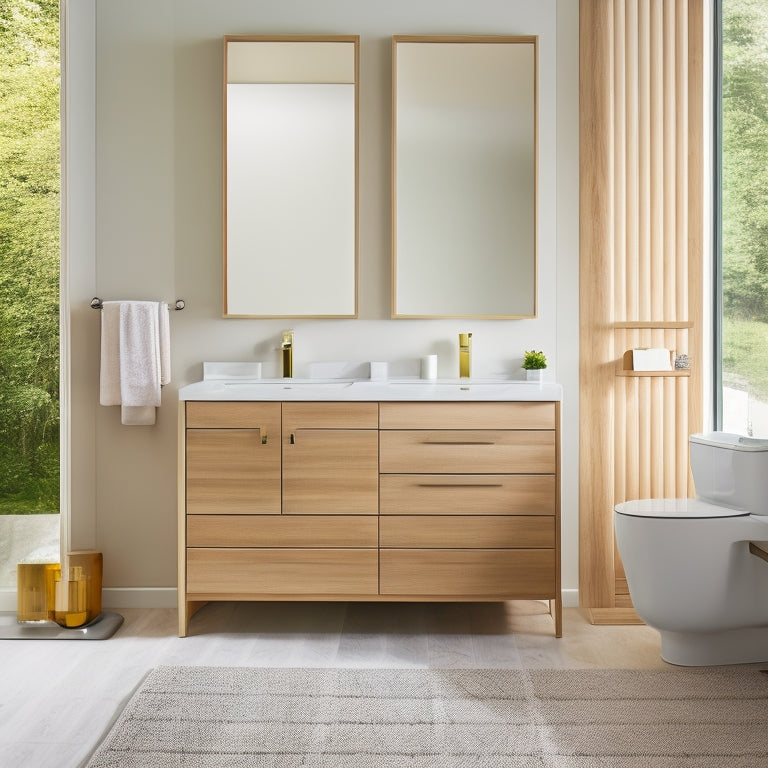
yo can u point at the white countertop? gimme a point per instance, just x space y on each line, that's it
368 390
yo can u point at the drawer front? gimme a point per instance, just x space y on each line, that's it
467 415
467 494
282 531
234 415
520 574
341 415
475 532
282 571
467 451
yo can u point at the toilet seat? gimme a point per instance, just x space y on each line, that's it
676 509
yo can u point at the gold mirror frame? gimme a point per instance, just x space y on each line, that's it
290 176
464 204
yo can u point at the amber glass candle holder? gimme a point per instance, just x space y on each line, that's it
77 589
34 590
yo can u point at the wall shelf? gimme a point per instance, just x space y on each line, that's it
675 372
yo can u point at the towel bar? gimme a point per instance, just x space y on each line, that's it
96 303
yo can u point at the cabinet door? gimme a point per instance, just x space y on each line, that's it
331 472
235 471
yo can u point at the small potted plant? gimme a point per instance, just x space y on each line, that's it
533 364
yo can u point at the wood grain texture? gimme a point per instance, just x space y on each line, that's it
282 531
642 195
525 573
338 415
230 471
466 532
595 306
331 471
394 415
232 415
460 494
282 571
467 451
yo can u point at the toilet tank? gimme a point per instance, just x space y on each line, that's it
731 470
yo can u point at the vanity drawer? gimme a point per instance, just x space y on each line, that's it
325 415
467 451
470 532
245 572
234 415
500 573
393 415
467 494
282 531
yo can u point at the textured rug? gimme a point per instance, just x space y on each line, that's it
206 717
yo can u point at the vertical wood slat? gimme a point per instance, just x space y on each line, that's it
596 366
642 201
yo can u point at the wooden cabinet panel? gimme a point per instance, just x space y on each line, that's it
331 471
282 531
467 451
393 415
248 572
234 415
506 574
231 471
467 495
330 416
475 532
387 501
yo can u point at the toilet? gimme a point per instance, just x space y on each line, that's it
689 568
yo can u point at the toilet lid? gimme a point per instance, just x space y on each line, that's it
676 508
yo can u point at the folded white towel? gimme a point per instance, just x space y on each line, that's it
135 357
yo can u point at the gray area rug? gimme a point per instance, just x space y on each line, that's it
206 717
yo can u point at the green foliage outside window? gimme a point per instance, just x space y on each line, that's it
29 256
745 192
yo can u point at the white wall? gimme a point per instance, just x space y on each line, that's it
157 223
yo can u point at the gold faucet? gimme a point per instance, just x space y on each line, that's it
286 351
465 354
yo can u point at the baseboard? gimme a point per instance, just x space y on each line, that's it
165 597
138 597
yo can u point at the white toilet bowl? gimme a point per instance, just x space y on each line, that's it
689 570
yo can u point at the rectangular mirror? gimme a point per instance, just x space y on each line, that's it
464 176
290 176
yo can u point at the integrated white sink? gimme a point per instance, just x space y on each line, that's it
240 382
289 383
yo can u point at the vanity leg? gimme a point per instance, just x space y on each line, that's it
186 611
556 610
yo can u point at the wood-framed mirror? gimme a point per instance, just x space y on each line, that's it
464 176
290 203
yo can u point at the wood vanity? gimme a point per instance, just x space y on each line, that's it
370 501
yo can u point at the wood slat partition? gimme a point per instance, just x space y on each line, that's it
641 177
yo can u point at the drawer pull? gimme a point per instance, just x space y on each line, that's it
458 442
459 485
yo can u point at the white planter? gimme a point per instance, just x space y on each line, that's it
536 374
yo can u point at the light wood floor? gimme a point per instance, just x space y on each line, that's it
58 697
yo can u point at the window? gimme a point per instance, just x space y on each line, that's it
741 236
29 282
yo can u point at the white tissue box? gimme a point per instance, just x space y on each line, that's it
651 360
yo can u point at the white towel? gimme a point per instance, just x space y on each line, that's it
135 357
